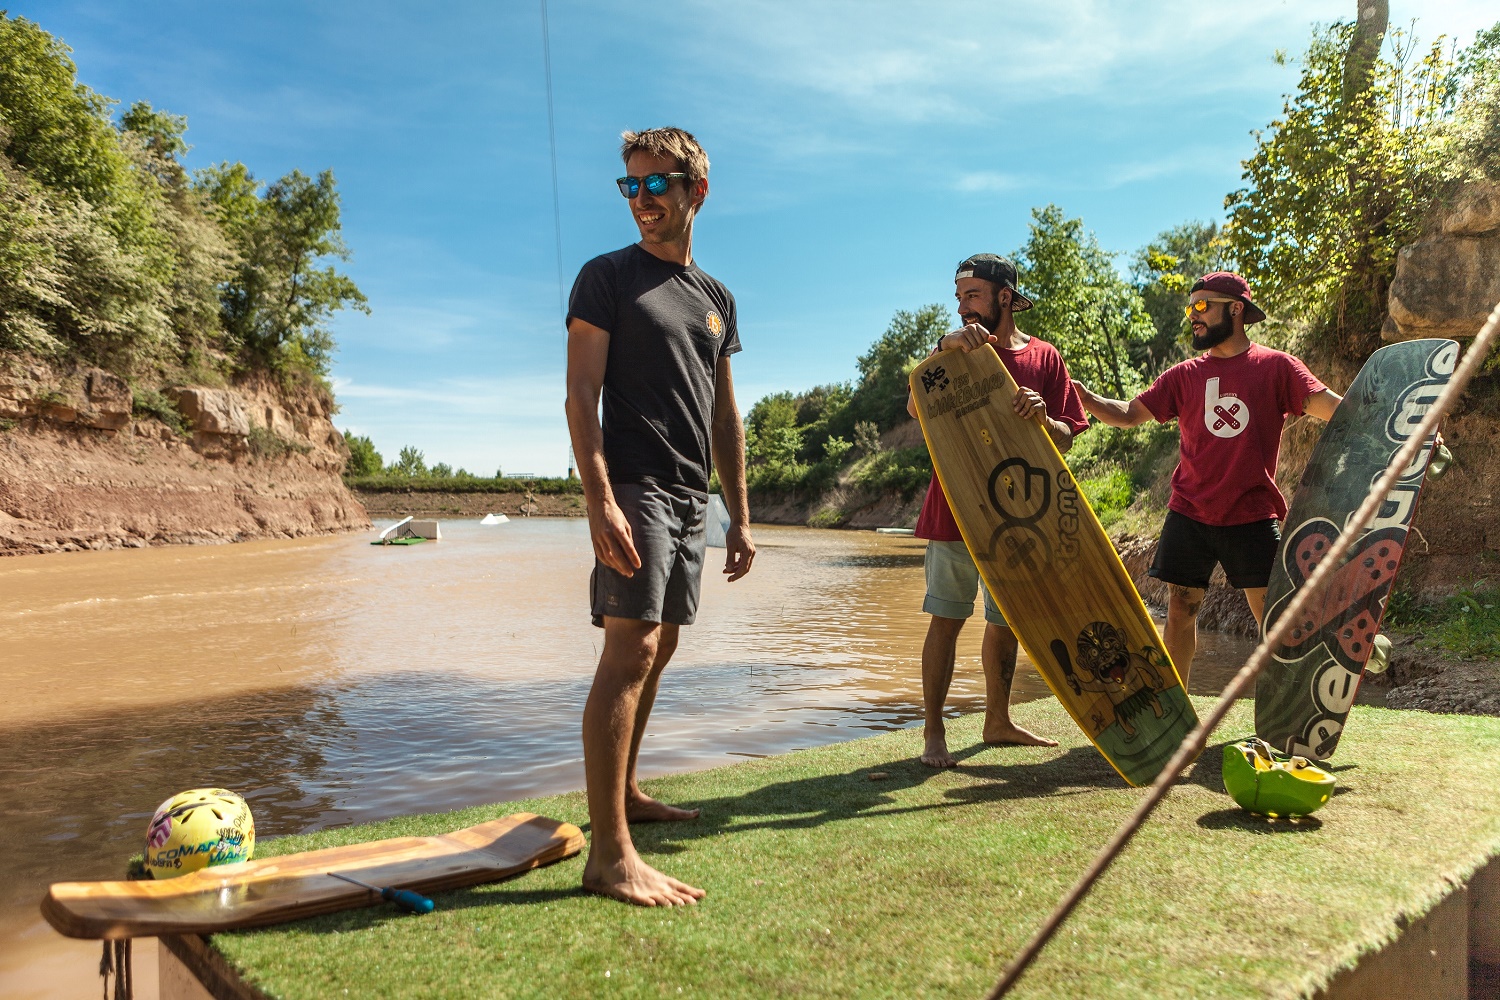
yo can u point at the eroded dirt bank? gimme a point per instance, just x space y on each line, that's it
428 504
79 469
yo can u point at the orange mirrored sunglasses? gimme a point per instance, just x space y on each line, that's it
1201 306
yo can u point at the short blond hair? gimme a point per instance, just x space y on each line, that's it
673 142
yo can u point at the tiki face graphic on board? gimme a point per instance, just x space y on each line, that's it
1105 664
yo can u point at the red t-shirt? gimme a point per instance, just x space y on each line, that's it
1230 412
1035 366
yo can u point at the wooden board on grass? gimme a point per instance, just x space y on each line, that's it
1049 564
273 890
1304 694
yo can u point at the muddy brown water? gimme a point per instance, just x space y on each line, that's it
332 682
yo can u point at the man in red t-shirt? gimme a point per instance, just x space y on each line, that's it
1230 404
987 301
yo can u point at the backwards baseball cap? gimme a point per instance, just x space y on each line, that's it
998 271
1231 284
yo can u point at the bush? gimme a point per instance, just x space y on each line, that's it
364 460
267 444
867 437
1115 467
387 482
1109 495
903 470
1467 623
151 403
411 462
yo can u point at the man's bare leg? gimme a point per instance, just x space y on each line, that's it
1181 633
1256 598
609 723
999 658
938 652
640 807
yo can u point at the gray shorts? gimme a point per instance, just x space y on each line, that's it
667 528
952 579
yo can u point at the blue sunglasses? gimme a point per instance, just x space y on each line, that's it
655 183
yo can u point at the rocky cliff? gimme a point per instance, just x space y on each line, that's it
85 464
1447 282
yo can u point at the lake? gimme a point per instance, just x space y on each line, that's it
333 682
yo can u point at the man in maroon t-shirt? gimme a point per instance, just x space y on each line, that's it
987 301
1230 404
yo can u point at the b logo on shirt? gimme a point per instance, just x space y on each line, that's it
1225 416
715 324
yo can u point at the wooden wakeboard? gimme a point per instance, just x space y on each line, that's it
274 890
1304 694
1049 564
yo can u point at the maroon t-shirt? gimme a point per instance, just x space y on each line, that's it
1230 412
1035 366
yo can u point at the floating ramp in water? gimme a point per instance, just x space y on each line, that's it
409 531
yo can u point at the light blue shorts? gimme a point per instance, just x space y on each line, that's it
952 579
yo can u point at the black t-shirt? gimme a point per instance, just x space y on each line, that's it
668 327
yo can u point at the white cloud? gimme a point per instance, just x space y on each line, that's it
950 61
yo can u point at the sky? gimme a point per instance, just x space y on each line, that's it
859 150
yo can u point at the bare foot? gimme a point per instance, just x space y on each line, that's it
936 754
642 808
631 880
1010 733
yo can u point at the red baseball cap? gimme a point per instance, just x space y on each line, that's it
1231 284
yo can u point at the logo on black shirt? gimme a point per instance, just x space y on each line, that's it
715 324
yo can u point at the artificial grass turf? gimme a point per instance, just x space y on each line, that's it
824 882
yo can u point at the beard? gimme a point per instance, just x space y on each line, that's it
1214 334
990 322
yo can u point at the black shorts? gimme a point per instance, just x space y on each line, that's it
1188 549
667 528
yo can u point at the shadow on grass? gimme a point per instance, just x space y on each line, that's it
805 803
1239 819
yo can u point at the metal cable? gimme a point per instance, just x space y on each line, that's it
552 145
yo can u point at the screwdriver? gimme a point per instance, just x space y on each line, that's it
404 898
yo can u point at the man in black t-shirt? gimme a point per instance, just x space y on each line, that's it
651 335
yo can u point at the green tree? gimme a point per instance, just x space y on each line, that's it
364 460
1082 306
1476 122
410 462
279 301
772 436
799 441
867 437
1163 271
86 265
880 392
1339 183
57 130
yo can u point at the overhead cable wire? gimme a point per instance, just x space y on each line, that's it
1193 744
552 144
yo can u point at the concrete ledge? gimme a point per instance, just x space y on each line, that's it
1428 961
190 969
1484 914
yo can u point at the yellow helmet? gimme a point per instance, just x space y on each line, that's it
196 829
